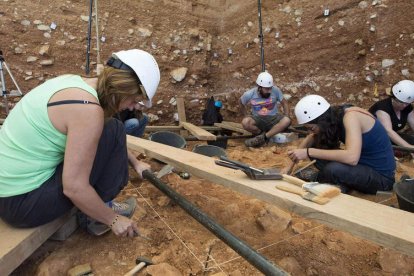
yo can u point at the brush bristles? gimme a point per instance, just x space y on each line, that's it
322 190
314 198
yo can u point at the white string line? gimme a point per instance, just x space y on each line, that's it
291 237
175 234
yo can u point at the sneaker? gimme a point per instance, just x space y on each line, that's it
96 228
256 141
125 208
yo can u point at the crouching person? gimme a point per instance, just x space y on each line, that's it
366 163
265 120
60 147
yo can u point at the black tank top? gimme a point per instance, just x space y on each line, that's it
386 106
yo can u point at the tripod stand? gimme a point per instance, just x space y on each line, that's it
4 92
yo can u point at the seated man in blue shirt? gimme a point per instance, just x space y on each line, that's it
265 121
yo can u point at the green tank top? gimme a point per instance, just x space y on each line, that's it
30 146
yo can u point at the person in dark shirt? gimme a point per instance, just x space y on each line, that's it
396 111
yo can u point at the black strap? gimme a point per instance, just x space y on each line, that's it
71 102
118 64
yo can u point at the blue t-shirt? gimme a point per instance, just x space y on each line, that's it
262 106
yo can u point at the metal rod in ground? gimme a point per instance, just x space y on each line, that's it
88 46
244 250
259 8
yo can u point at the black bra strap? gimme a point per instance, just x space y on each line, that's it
71 102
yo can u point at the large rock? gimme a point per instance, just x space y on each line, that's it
273 219
394 263
178 74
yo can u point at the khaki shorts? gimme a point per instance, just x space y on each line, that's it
265 123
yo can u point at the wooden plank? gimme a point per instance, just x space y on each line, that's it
238 125
198 132
386 226
181 115
17 244
233 128
176 128
181 110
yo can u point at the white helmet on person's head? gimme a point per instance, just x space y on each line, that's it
404 91
264 80
309 108
145 67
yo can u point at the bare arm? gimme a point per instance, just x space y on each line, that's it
385 120
243 109
353 144
138 165
83 125
307 142
285 106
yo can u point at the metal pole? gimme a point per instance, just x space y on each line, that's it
244 250
98 50
259 6
88 47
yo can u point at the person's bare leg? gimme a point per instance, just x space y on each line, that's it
250 125
279 127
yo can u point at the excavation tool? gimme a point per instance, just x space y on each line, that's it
299 191
167 169
251 172
141 263
312 191
244 250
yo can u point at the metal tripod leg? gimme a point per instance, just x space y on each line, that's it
3 83
3 88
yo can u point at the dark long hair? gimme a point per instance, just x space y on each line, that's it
331 128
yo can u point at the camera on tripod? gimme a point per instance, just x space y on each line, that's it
4 92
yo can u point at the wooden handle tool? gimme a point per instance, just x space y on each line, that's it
299 191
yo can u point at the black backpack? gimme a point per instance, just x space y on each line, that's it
211 115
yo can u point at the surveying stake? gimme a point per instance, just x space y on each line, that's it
4 92
259 8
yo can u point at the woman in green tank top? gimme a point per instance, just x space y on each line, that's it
60 146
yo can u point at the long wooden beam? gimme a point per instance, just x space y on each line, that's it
386 226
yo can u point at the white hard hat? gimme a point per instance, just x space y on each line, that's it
310 107
145 67
264 80
404 91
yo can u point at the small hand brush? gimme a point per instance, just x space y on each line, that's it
323 190
305 195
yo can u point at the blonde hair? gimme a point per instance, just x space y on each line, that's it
114 86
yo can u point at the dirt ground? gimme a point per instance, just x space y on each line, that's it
352 55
